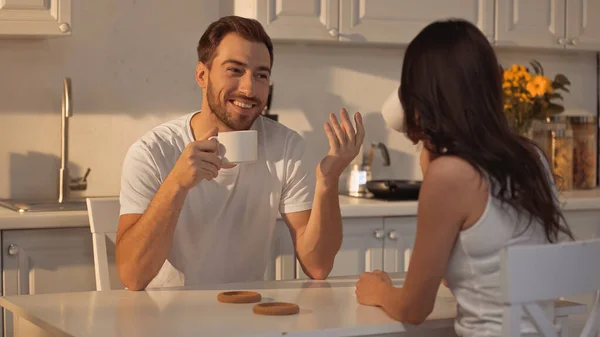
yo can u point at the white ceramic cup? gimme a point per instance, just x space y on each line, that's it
236 147
392 112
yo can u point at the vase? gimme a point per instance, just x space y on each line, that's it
522 128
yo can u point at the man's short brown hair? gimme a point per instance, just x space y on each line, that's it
248 29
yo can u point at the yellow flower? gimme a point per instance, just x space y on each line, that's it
539 86
508 75
506 85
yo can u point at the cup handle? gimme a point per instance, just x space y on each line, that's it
218 146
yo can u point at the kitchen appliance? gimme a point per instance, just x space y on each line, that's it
361 173
394 189
361 185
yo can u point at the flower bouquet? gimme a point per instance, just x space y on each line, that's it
530 96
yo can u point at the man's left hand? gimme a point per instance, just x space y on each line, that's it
344 145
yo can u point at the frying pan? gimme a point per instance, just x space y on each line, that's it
394 189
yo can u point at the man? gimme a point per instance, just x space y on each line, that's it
188 219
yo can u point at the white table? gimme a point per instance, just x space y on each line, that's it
327 308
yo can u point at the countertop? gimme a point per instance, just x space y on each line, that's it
327 308
350 207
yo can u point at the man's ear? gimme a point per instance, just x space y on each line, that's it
202 75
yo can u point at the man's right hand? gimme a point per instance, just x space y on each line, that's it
199 160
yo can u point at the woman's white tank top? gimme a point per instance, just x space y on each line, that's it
473 273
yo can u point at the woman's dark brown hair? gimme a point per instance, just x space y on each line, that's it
451 92
249 29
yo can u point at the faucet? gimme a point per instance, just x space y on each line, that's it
66 183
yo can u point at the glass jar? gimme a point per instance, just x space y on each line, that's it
541 134
562 158
584 151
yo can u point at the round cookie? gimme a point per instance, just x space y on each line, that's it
276 308
239 297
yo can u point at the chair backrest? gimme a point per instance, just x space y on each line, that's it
103 214
535 273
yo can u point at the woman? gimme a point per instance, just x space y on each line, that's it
484 187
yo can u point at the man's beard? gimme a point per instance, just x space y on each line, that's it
219 109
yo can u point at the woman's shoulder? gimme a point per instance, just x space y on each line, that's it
453 175
458 184
452 170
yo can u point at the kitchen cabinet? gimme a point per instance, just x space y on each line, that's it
561 24
398 22
582 26
400 235
35 18
43 261
293 19
373 21
281 263
386 243
371 243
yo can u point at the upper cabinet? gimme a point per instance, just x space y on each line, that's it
315 20
35 18
559 24
583 26
399 21
375 21
554 24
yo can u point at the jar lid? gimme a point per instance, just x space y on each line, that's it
582 119
562 133
574 116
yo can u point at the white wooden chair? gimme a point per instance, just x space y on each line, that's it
535 273
103 215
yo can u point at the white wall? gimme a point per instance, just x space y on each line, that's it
132 66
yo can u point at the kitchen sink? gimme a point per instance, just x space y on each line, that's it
24 206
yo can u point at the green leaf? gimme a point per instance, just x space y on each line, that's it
555 108
562 79
554 95
537 67
558 86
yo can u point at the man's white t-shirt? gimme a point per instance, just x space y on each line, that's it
226 226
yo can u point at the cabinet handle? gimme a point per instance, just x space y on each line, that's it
13 250
378 234
64 27
333 32
561 40
573 42
392 235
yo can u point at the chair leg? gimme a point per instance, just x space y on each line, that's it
563 322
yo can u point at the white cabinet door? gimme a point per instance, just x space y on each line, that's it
583 26
43 261
281 264
362 248
35 17
399 240
399 21
314 20
530 23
